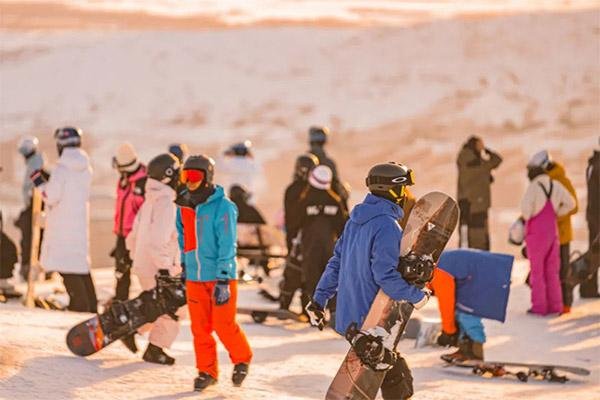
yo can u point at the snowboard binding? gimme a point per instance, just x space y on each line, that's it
369 347
416 270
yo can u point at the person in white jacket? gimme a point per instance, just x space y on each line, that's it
544 200
65 248
153 246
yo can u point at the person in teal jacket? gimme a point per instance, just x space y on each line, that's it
206 225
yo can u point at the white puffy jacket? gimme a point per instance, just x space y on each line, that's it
66 243
153 240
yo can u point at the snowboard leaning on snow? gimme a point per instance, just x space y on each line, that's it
546 372
428 229
124 317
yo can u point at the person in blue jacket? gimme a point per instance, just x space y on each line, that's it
365 260
470 285
206 225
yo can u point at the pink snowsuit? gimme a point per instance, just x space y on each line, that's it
543 253
129 200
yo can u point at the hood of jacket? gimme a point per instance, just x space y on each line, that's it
74 159
156 189
373 206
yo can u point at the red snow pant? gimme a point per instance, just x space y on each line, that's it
206 317
544 256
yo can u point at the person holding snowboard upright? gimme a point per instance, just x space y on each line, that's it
475 164
470 285
365 259
130 196
544 200
66 244
152 243
206 226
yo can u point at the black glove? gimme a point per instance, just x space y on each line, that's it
316 313
183 276
221 293
448 340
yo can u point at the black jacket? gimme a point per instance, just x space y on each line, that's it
294 194
592 175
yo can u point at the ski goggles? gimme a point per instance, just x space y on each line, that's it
191 176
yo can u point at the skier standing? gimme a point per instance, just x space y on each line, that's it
130 196
544 201
65 248
556 172
153 246
322 219
475 164
294 194
470 285
365 259
34 161
206 225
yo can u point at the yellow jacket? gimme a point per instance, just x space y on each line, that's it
565 229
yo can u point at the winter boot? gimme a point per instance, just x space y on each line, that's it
202 381
155 354
462 354
129 342
476 351
239 374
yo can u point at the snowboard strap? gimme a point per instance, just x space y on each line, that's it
370 349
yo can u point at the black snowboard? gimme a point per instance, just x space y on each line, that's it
260 315
124 318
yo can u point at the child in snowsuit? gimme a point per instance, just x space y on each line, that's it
544 201
206 226
152 243
130 196
470 285
365 259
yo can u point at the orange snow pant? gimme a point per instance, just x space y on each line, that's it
206 317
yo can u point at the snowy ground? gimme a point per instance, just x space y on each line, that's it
291 361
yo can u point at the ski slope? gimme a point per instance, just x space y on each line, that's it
291 360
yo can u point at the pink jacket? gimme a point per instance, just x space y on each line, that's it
130 197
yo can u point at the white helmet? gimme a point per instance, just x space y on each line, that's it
540 159
28 145
320 177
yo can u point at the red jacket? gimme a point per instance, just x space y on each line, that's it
130 196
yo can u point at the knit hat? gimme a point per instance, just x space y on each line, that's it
320 177
126 159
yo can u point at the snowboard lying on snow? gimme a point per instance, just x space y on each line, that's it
260 315
428 229
124 317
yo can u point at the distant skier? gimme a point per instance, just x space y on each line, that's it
206 225
294 194
130 196
247 213
365 259
66 244
317 138
544 201
556 172
152 243
470 285
589 288
34 161
475 164
322 220
238 166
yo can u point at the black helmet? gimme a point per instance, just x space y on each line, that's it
164 168
179 150
304 164
67 137
238 192
240 149
388 181
318 134
202 163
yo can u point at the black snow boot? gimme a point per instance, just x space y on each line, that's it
202 381
155 354
239 373
129 342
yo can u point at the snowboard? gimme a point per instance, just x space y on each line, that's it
34 260
260 315
546 372
123 318
428 229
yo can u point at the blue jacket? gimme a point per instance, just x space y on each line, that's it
208 238
482 281
365 259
